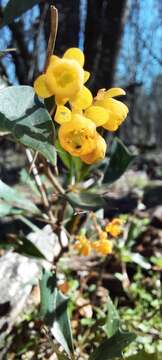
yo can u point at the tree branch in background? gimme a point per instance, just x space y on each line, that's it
34 60
101 59
69 25
21 57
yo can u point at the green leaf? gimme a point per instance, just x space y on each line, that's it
157 260
112 348
16 8
22 246
142 355
5 209
14 199
120 158
113 321
24 115
86 200
54 311
64 156
25 247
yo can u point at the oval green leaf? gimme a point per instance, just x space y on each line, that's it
120 159
25 117
54 311
112 348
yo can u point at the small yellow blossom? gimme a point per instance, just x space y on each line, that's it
114 228
117 110
98 153
103 247
78 136
82 245
64 76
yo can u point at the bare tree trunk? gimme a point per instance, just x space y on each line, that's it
69 24
93 37
103 29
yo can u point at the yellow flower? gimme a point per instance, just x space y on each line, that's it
98 153
78 136
117 110
82 245
114 228
103 247
64 77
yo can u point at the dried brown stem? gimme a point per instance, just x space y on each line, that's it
53 34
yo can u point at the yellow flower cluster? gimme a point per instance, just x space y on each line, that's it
102 246
65 79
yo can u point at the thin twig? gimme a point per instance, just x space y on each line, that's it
37 178
53 34
40 186
55 182
33 162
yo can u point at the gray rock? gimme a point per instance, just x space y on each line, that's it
17 276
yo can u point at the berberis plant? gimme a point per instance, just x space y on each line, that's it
64 130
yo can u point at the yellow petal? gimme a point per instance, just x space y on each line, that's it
97 114
82 100
65 78
75 54
97 154
100 95
111 124
41 88
54 60
63 114
60 101
86 76
114 92
118 110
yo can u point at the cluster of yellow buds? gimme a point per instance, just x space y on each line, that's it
79 119
102 246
